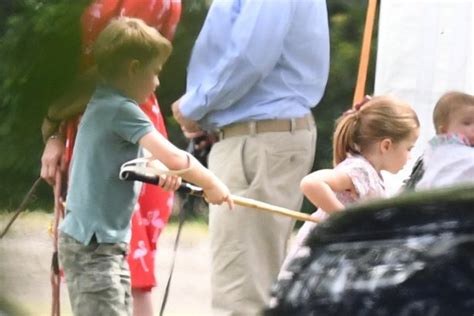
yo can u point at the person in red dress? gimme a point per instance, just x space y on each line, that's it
154 205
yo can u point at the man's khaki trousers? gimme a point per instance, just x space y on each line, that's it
248 246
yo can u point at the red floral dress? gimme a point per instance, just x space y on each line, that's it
154 205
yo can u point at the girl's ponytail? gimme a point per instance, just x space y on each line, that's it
344 136
371 121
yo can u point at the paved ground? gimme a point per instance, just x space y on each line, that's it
25 256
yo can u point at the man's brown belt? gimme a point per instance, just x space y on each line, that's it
266 126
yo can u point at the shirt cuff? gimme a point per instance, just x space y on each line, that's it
191 107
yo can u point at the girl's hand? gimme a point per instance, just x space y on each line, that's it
170 182
218 193
320 215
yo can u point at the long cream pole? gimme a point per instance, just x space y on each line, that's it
131 173
272 209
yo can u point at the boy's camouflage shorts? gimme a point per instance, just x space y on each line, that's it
97 277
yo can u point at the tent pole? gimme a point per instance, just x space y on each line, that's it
365 52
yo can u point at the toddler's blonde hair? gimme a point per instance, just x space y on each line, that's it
449 103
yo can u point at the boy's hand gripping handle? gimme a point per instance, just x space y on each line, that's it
153 179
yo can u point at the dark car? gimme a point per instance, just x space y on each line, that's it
410 255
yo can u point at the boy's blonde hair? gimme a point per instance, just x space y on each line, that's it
449 103
381 117
125 39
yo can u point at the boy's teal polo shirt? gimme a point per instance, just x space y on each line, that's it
98 202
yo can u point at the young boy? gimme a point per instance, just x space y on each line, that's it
95 232
449 159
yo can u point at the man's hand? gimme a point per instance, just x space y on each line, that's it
51 159
190 128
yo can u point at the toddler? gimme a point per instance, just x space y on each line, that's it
449 159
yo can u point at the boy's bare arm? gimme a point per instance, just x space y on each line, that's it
176 159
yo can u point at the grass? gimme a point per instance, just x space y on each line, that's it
25 256
39 217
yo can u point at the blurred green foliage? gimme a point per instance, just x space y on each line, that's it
39 47
39 53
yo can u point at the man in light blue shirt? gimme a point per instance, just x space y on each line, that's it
256 70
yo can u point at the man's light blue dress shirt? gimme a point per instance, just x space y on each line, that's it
258 59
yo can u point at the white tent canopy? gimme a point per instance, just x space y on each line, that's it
425 48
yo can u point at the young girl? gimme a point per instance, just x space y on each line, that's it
376 135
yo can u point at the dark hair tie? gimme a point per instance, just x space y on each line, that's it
364 101
358 106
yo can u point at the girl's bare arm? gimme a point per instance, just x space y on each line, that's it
319 188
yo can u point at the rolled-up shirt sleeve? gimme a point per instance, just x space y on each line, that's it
255 45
